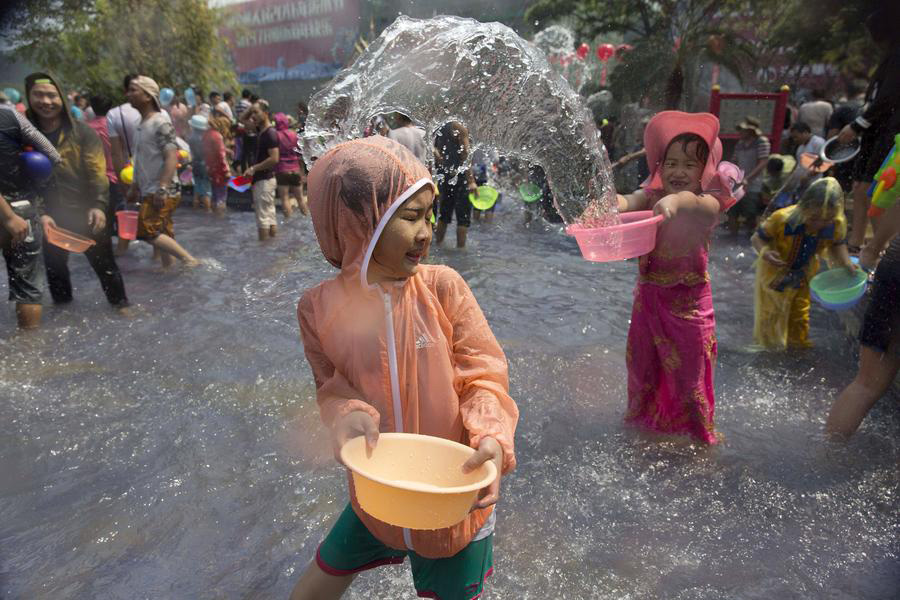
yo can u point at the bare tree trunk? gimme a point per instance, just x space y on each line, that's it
674 88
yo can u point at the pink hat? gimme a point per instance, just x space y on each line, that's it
281 121
731 175
669 124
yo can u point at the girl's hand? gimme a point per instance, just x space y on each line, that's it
868 258
773 258
667 207
351 425
846 136
488 449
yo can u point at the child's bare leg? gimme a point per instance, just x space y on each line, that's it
206 201
297 192
263 233
29 315
284 194
273 230
875 375
860 215
167 245
316 584
166 259
121 247
440 232
461 234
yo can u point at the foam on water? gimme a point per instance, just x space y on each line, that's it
485 76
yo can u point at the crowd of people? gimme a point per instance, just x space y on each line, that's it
419 354
137 155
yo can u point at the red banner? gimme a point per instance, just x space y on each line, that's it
274 40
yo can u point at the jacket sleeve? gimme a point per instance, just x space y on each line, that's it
34 137
772 228
93 159
334 394
480 370
877 113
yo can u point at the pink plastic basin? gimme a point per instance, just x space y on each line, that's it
67 240
635 236
128 222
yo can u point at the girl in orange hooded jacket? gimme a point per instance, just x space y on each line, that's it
398 346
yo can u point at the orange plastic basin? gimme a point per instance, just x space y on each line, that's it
415 481
67 240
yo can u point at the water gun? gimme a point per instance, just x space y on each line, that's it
884 191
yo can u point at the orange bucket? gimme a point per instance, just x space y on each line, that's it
128 223
67 240
415 481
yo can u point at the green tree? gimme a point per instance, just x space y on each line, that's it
94 44
835 35
669 39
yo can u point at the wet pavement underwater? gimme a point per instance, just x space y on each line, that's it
179 453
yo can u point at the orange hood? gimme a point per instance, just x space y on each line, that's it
354 189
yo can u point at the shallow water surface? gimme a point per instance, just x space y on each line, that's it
179 454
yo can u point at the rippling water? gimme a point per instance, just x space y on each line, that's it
178 454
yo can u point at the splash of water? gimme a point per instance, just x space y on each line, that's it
485 76
558 43
555 40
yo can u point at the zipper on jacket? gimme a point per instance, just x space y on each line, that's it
395 383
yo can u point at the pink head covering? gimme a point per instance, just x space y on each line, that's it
354 189
281 122
669 124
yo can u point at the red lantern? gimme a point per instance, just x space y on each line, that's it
583 51
605 52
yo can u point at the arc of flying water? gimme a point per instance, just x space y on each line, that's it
485 76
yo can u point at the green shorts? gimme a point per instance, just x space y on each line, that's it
350 548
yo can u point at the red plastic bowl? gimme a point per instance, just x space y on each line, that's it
635 236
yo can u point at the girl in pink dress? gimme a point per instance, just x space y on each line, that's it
671 351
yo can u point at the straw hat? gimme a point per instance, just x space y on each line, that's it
150 87
751 124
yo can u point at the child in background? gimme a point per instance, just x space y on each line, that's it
789 244
671 351
288 175
416 356
778 169
202 186
215 156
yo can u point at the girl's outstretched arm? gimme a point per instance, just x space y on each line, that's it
636 200
841 256
703 206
